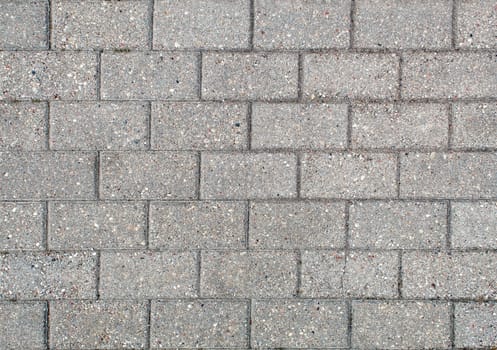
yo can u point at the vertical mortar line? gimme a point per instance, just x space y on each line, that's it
199 175
247 224
47 120
399 276
352 23
454 25
251 27
149 126
199 78
199 267
298 255
47 324
249 323
452 325
450 121
97 283
449 226
49 24
99 74
249 126
45 225
349 125
399 81
97 176
148 325
397 174
298 175
347 242
349 324
300 76
151 6
147 226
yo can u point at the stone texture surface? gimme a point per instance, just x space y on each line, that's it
22 226
476 24
474 225
474 125
21 325
475 325
23 126
23 24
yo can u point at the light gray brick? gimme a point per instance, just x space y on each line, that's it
455 175
202 323
23 24
21 226
449 75
400 325
48 75
199 225
203 126
98 324
96 225
300 126
22 325
404 24
148 175
300 24
209 24
400 126
23 126
398 225
474 125
476 24
51 175
299 323
248 175
475 325
474 225
248 274
48 275
249 76
350 75
98 125
292 225
348 175
146 275
149 75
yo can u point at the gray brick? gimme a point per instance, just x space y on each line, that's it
248 175
476 24
299 323
48 75
96 225
148 175
146 274
301 126
474 125
449 75
202 323
22 326
248 274
203 126
398 225
348 175
474 225
22 226
350 75
51 175
149 75
23 126
403 24
209 24
456 175
400 325
98 324
200 225
98 125
294 225
475 325
48 275
249 76
399 125
300 24
23 24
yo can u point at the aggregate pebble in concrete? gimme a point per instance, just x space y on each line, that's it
474 125
474 225
475 325
476 24
23 126
21 325
21 226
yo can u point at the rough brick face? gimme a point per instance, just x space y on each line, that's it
23 126
474 125
21 325
474 224
475 324
476 22
24 25
22 226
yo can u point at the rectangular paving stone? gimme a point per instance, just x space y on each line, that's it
202 323
474 225
280 24
475 325
248 274
47 175
198 225
202 126
22 325
248 175
98 324
400 126
475 24
299 126
48 75
400 325
210 24
350 75
249 76
23 126
48 275
22 226
148 175
293 225
147 275
396 24
449 75
149 75
99 24
96 225
98 125
348 175
299 323
397 225
474 125
454 175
